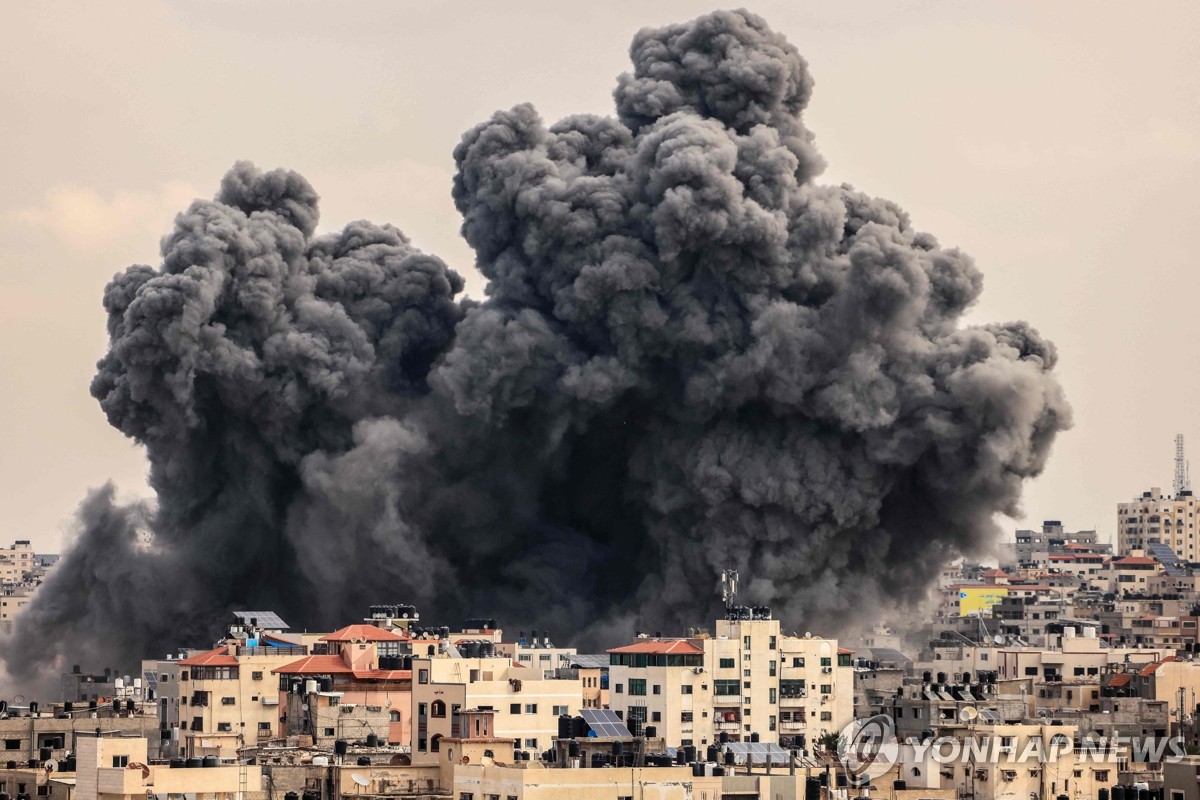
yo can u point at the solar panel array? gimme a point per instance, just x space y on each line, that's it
1162 552
605 722
588 660
268 620
758 751
990 716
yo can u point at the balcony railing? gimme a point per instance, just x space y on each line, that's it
727 726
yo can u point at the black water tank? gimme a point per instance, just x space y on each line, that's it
341 747
3 795
33 707
697 772
650 732
812 788
130 705
841 780
618 748
1118 793
1102 794
689 750
194 763
91 705
579 728
211 761
364 761
68 706
713 753
718 772
34 763
11 765
310 794
899 785
326 684
1144 794
69 764
177 763
291 796
573 749
372 740
729 759
564 726
724 737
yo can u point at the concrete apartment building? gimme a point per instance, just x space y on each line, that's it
1156 518
359 686
592 671
118 768
1031 548
526 703
1011 776
759 681
663 684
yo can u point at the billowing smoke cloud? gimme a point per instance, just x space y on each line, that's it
692 356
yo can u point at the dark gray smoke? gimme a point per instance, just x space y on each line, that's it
691 357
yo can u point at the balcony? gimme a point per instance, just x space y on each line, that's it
793 727
721 725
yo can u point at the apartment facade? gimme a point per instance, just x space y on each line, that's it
663 684
1158 518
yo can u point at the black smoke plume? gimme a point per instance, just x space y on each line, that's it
692 356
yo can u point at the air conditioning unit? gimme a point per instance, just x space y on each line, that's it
699 670
827 670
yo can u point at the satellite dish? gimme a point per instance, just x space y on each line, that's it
968 713
360 779
998 638
487 761
51 765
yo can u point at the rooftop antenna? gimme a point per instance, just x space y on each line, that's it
729 582
1183 481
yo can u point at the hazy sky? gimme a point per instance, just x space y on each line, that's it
1058 143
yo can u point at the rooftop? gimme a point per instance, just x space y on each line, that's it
672 647
363 633
315 665
213 658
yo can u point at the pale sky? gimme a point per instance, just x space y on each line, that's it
1058 143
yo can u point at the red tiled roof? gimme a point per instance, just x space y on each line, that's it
315 665
674 647
842 651
1131 560
1119 681
1150 669
213 658
383 674
995 573
369 633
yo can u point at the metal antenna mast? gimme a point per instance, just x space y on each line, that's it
1183 481
729 583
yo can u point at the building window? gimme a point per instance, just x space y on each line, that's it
685 689
561 710
225 726
514 708
531 744
728 663
826 716
771 666
531 708
423 676
746 643
620 688
120 761
435 744
771 695
422 745
256 676
228 701
826 661
198 724
264 726
656 716
12 744
330 732
771 643
798 661
437 709
657 689
393 716
637 687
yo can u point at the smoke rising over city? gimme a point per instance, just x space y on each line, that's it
692 356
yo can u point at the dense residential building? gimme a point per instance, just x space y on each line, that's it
1155 518
752 679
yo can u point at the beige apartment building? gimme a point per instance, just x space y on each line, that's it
225 698
758 681
663 684
16 561
1154 518
526 703
117 768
